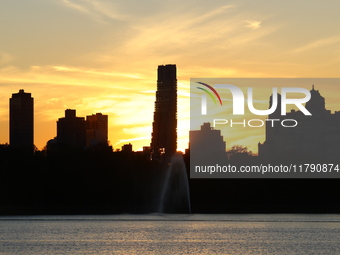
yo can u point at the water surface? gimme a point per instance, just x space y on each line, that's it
171 234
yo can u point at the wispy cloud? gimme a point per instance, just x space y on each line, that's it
211 14
99 10
78 70
132 139
70 76
181 29
253 24
148 92
75 6
195 35
318 43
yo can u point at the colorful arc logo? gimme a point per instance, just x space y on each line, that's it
209 93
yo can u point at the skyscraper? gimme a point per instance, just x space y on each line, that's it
96 129
71 130
164 134
21 121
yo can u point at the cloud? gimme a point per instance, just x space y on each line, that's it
78 70
178 30
253 24
70 76
148 92
132 139
75 6
100 11
193 38
318 43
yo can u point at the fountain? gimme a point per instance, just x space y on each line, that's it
175 196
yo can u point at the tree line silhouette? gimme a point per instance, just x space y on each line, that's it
100 181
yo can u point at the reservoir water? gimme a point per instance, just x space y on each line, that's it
170 234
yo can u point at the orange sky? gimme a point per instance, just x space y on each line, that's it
98 56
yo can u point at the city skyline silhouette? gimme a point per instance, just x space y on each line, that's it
78 133
94 63
227 141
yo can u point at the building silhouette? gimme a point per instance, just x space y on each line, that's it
96 129
206 145
71 130
127 148
164 133
21 117
316 137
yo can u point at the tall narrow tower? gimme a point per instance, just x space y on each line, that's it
164 134
21 121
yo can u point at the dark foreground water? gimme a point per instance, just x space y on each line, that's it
171 234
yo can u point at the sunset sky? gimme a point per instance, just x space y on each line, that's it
102 56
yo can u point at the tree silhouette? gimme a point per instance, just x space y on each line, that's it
238 152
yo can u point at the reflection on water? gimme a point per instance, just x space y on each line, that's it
171 234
